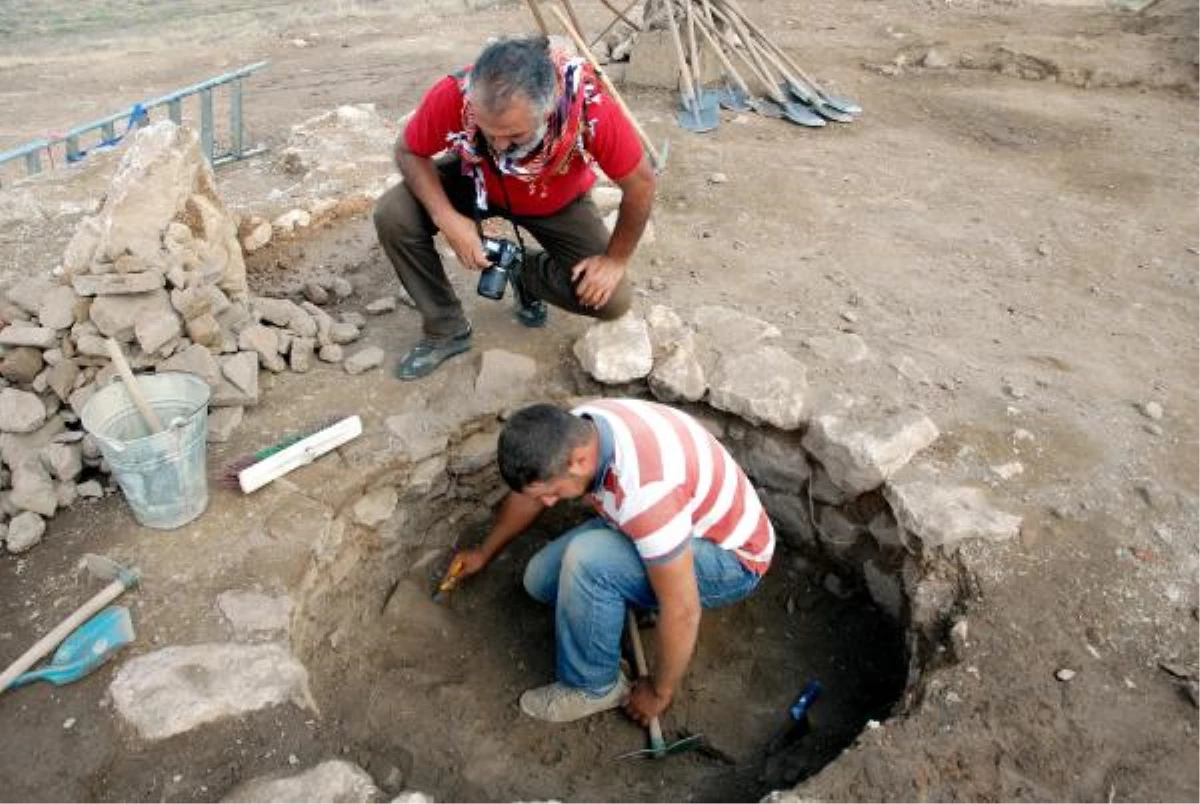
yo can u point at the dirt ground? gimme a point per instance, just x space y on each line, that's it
1014 235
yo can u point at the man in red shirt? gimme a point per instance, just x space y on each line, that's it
520 130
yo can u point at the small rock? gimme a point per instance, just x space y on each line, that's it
1152 410
363 360
301 354
288 221
331 353
717 178
340 287
1043 250
20 411
90 489
315 293
657 283
25 530
384 305
1009 470
258 237
356 319
69 723
376 507
343 332
935 60
1064 674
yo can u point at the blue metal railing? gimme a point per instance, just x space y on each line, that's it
31 152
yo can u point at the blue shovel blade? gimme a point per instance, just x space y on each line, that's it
87 648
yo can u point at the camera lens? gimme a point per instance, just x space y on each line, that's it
492 282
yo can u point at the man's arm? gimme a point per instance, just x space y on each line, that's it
516 514
674 585
421 177
598 276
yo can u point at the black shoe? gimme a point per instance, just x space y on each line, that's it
529 311
429 353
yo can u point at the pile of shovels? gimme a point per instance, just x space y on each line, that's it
722 25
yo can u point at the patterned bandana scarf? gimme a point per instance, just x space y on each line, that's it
567 131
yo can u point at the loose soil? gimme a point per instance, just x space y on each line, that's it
1013 235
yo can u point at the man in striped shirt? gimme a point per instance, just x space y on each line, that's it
679 529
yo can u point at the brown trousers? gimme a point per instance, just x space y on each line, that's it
406 233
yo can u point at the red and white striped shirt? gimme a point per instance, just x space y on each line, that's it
669 480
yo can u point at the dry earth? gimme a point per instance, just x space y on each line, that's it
1013 234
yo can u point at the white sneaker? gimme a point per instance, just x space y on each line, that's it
558 703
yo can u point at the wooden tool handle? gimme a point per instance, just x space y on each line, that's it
608 85
537 16
684 73
657 743
51 640
133 388
725 62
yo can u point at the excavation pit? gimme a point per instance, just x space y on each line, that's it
426 692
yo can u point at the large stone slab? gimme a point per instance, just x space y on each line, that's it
503 379
177 689
616 351
765 385
333 781
860 450
255 613
942 516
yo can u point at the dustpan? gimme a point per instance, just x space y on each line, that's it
87 648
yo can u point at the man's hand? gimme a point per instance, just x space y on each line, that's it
471 561
644 703
461 234
596 278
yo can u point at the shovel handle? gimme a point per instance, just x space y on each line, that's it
51 640
657 744
733 6
684 72
537 16
608 85
133 388
725 62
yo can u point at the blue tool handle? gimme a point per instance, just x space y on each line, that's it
807 695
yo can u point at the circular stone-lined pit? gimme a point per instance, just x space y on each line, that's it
426 692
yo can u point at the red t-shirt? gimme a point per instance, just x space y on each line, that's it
614 146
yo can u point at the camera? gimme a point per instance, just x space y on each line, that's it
504 256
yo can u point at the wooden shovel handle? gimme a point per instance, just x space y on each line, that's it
725 62
537 16
608 85
133 388
51 640
657 743
684 73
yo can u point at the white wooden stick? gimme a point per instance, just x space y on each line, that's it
302 452
133 388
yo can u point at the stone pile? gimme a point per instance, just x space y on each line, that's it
159 269
836 474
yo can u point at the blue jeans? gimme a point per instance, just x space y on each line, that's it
591 573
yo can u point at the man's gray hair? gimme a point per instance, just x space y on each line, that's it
509 68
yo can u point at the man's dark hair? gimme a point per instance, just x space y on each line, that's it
536 443
508 68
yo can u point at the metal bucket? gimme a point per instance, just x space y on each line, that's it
163 475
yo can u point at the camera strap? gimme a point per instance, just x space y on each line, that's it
491 159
